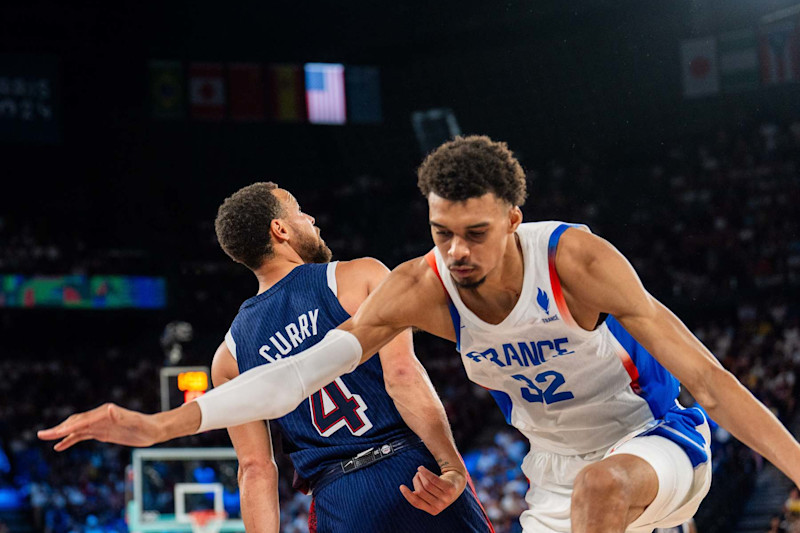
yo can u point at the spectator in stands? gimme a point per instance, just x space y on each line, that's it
791 510
776 525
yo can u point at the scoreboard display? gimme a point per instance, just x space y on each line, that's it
181 384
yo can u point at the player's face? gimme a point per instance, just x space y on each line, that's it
306 238
472 235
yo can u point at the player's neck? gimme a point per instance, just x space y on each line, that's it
494 299
276 268
509 273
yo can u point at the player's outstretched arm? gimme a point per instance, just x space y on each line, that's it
258 473
599 279
262 393
415 398
279 386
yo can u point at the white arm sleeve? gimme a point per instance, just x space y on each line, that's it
273 390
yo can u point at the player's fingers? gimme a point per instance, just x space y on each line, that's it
62 430
431 488
75 423
419 489
416 501
432 482
70 441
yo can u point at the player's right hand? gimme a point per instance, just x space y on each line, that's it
107 423
433 493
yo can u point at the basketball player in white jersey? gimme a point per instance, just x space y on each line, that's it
555 322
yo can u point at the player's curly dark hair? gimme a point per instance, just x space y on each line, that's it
243 221
471 166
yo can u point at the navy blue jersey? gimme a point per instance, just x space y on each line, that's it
347 416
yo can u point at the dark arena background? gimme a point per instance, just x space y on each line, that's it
671 128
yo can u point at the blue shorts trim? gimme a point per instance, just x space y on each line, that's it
679 425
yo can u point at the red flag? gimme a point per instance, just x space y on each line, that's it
207 91
287 93
246 85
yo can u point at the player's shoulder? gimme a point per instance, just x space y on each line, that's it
364 272
580 248
362 266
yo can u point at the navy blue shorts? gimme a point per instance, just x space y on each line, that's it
368 500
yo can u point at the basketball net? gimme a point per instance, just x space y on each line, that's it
207 520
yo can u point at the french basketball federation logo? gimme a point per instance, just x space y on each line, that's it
544 301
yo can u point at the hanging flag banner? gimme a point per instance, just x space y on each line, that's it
363 86
247 91
286 95
738 60
325 96
207 91
167 89
29 99
699 67
778 52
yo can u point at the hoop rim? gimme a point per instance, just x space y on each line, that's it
203 517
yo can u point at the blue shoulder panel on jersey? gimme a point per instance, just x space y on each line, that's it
552 244
504 402
659 387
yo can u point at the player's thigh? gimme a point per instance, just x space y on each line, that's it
369 501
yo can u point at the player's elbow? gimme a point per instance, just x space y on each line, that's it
706 383
400 377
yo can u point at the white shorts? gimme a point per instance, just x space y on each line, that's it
681 488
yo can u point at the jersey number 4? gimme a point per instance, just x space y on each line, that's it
335 407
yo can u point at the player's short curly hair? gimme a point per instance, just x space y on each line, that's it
243 222
471 166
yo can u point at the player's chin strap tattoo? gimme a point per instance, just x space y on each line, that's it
275 389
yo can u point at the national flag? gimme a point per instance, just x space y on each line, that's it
778 52
207 91
286 93
699 67
738 60
325 98
247 92
363 86
167 89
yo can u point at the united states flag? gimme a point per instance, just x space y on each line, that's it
325 97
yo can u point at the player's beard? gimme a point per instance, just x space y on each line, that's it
463 284
468 284
312 249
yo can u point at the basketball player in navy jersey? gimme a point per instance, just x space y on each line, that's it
555 322
352 441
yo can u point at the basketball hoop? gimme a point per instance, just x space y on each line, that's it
207 520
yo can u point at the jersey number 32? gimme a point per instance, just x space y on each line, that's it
334 407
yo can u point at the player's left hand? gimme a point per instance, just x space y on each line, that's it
107 423
433 493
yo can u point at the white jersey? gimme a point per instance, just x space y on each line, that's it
568 390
